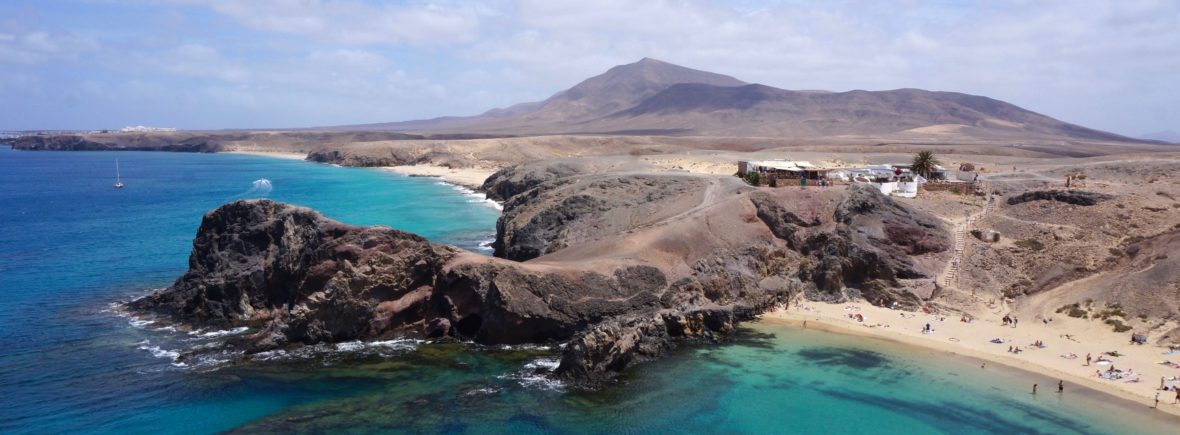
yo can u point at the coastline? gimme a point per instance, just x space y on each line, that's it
275 154
972 340
470 178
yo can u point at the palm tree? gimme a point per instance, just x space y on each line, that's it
924 163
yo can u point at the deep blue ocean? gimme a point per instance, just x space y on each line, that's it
71 246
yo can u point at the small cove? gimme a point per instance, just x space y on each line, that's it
70 245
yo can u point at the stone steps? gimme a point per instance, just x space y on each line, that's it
961 240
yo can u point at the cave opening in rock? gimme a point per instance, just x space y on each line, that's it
468 326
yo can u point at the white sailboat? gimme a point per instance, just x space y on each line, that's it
118 181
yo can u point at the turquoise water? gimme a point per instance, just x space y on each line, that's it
70 245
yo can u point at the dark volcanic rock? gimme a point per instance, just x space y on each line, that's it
601 352
514 180
395 157
300 278
866 253
1074 197
78 143
783 223
303 278
566 211
890 225
542 233
297 277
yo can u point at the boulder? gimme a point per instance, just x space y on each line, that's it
1075 197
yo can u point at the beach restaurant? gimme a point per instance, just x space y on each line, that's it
782 169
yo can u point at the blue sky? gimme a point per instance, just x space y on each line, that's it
209 64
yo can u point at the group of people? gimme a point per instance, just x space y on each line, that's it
1165 387
1177 400
1010 320
1060 387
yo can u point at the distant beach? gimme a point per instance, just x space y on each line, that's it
276 154
471 178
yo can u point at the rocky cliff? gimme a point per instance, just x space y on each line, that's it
80 143
297 277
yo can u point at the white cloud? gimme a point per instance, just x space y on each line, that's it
1045 55
356 23
38 46
1104 64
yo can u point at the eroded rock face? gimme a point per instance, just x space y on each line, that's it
79 143
563 212
395 157
514 180
300 278
1075 197
865 253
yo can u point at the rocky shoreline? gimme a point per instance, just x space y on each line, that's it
299 278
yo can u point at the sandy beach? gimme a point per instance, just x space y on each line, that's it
275 154
471 178
1062 336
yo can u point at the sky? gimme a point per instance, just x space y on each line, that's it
213 64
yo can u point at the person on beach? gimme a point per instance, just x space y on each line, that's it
1157 400
1087 359
1034 389
1060 386
1177 397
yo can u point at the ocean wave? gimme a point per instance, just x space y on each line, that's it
538 374
485 245
222 333
481 391
525 346
475 197
158 352
385 348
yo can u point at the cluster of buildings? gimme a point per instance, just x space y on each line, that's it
891 179
142 129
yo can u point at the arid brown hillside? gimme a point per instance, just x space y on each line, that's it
655 97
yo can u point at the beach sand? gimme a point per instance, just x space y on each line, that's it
973 340
471 178
276 154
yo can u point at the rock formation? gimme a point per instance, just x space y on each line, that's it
566 211
1075 197
297 277
80 143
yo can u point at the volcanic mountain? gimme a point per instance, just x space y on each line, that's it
659 98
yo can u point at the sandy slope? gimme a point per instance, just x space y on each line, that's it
470 178
275 154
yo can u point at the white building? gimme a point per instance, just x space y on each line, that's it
143 129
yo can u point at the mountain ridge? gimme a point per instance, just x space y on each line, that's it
656 96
